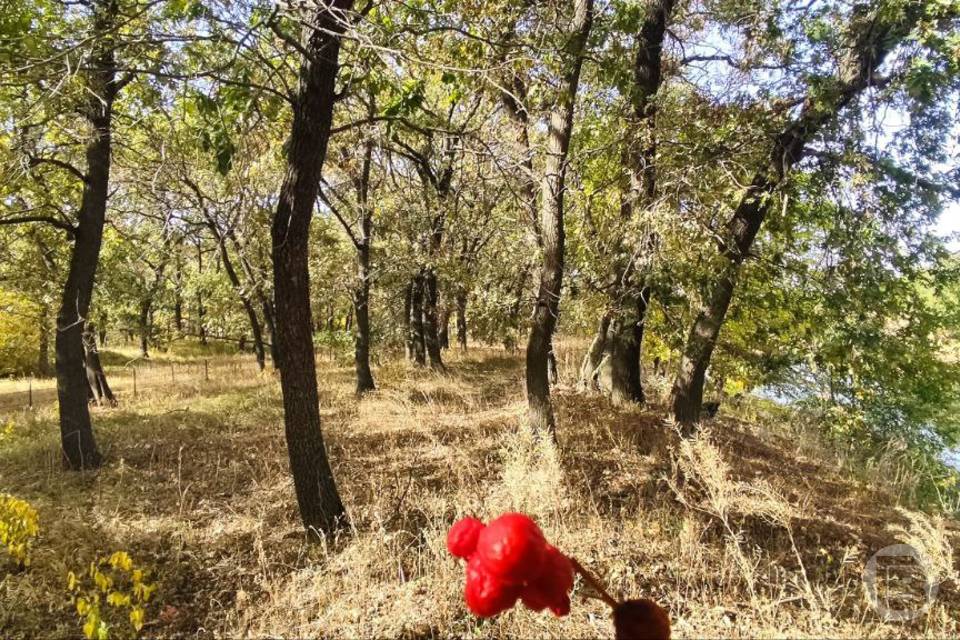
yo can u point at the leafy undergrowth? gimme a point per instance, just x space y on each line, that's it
748 530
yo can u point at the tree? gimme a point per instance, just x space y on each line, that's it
321 508
539 344
872 32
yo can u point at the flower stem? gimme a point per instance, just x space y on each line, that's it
595 584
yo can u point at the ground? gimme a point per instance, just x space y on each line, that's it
754 529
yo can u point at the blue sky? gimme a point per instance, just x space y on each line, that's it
949 224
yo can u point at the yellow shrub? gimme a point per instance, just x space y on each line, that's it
19 333
111 596
19 525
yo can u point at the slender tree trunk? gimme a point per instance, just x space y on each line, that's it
417 340
255 328
591 361
76 433
361 297
872 33
103 329
462 318
96 377
201 311
143 327
178 290
431 322
540 344
407 320
321 508
361 302
444 333
261 298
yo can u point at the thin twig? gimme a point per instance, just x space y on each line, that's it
595 584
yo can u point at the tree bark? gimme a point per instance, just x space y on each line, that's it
431 321
407 317
873 33
143 327
255 329
629 291
321 508
201 311
591 361
540 342
76 432
96 377
462 318
361 295
417 340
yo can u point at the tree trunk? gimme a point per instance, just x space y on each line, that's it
431 322
201 311
462 318
872 34
630 295
417 340
624 342
444 333
591 361
539 346
237 285
96 377
361 302
407 324
143 328
321 508
178 291
76 432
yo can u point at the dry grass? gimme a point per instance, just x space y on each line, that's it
737 533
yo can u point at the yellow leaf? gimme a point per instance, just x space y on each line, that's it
136 618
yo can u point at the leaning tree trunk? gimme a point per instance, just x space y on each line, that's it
540 342
321 508
76 432
873 33
96 377
255 329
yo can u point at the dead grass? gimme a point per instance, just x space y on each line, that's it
738 534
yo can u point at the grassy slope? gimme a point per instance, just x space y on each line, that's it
196 487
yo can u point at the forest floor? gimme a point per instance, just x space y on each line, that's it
754 529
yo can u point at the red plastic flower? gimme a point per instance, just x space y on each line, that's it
507 560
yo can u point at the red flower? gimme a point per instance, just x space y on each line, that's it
462 537
551 588
486 594
509 559
512 547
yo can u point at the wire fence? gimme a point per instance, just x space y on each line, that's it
133 379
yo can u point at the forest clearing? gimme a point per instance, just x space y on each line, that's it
630 319
198 491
